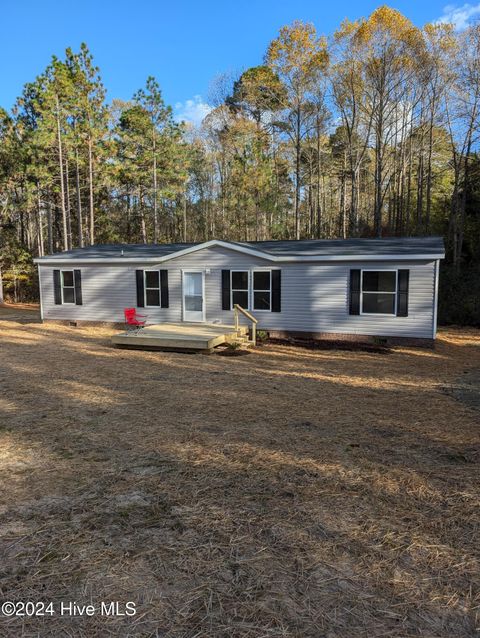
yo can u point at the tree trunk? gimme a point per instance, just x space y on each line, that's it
143 228
67 206
378 187
297 173
463 206
79 201
454 215
354 200
49 228
379 132
90 189
185 217
155 211
429 169
420 192
409 189
318 193
129 216
41 250
62 185
311 207
344 196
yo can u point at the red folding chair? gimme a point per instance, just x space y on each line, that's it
134 321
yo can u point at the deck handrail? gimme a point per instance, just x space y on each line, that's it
236 309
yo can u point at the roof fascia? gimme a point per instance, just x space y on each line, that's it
45 261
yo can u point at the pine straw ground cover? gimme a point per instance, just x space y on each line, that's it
288 493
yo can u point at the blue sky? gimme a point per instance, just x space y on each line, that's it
184 44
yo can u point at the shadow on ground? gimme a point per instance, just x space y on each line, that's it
288 493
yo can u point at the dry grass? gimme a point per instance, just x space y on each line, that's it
292 492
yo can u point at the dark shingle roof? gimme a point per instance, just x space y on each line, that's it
111 251
349 247
304 248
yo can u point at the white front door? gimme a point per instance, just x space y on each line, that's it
193 295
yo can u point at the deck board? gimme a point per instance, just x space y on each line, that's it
178 336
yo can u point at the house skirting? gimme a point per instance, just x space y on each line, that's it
73 323
420 342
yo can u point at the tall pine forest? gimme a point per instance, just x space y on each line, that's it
371 131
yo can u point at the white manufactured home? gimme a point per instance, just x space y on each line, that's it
321 288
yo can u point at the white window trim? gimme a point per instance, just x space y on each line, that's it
145 288
254 290
384 292
62 286
247 290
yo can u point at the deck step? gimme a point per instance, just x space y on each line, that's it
244 342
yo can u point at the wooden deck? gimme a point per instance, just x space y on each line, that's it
191 337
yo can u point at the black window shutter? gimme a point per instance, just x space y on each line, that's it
57 290
276 290
140 290
164 288
226 290
77 277
354 292
402 293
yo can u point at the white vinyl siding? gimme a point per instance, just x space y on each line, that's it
315 295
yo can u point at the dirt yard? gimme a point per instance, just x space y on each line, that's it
287 493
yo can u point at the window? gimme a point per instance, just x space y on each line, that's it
239 288
379 292
262 290
152 288
68 286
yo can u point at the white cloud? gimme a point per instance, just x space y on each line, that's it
459 16
192 111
